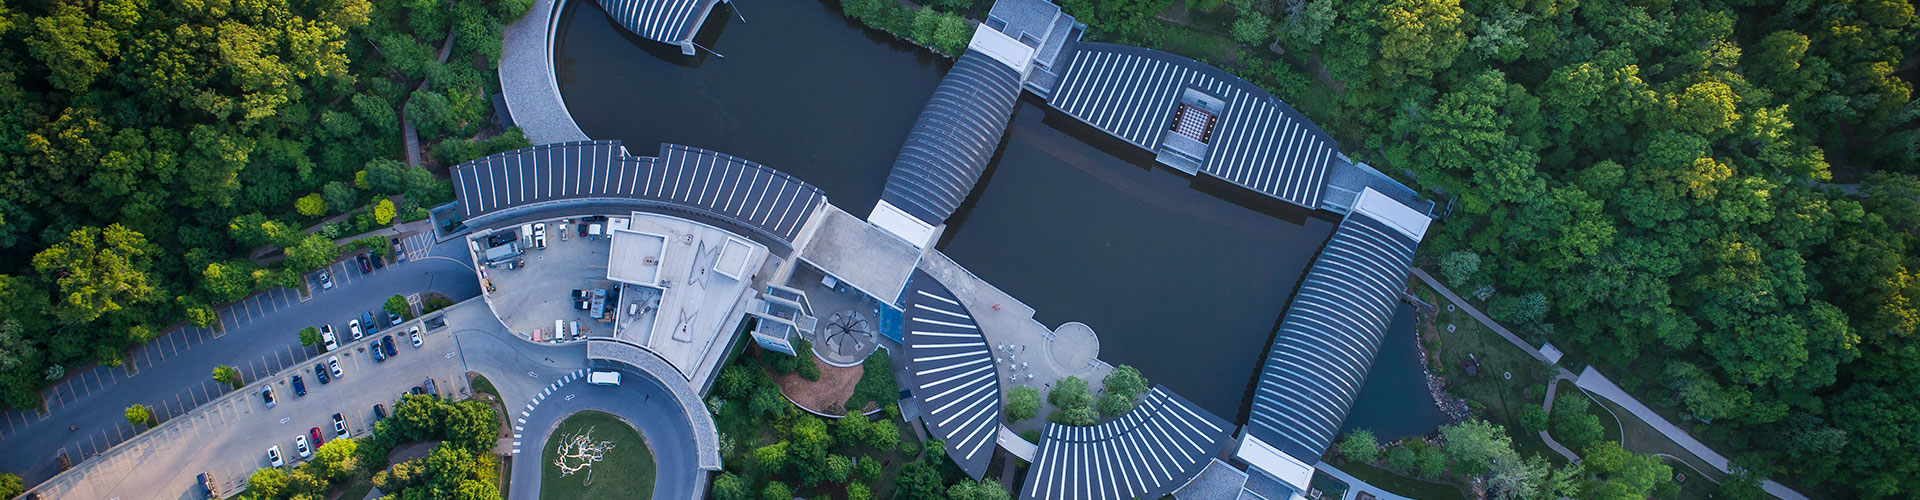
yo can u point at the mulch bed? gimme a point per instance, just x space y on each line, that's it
827 395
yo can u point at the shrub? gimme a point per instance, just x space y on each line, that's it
877 384
1458 267
1533 418
1022 403
1360 446
1401 460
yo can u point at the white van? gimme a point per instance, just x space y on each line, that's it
603 378
559 328
326 335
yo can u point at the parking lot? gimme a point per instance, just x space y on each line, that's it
539 291
229 436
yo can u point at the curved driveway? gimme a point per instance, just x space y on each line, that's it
173 373
640 400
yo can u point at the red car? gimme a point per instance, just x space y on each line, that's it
315 434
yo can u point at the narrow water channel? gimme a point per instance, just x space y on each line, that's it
1183 281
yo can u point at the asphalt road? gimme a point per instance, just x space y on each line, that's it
85 414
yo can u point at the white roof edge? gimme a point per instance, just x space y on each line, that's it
901 224
1391 212
1002 48
1260 455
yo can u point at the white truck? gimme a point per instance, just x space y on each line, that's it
597 377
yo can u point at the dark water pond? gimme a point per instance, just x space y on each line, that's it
1184 280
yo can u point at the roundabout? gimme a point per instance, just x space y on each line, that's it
657 449
596 455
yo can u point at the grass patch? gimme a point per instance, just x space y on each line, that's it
1491 395
484 386
626 471
357 491
1696 487
1398 484
1639 437
876 386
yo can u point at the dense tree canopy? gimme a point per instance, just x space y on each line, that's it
148 148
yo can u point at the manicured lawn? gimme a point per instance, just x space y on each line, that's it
1696 487
1496 397
625 471
484 386
1398 484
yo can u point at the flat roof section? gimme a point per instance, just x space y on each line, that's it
859 254
1328 338
1259 142
950 144
695 308
635 257
1148 453
951 372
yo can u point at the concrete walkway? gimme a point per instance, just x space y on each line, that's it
1046 354
526 77
1593 382
1547 404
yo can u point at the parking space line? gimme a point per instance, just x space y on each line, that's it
131 366
254 302
227 319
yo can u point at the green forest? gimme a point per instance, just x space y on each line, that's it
1715 201
160 158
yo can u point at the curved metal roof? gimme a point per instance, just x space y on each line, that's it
1159 446
952 372
683 177
1261 143
954 138
1328 339
666 21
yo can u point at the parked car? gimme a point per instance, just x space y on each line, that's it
379 262
300 445
317 440
273 456
333 365
266 394
414 332
353 327
379 412
327 337
394 319
326 280
435 391
399 252
386 343
540 235
378 356
320 372
340 427
364 266
366 321
299 389
415 390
